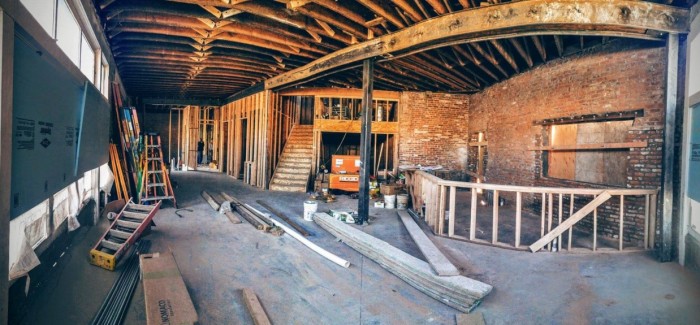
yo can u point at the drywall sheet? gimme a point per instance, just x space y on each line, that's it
48 107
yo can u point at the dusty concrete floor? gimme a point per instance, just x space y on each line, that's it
297 286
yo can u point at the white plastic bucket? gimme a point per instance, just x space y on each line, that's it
402 201
389 201
310 208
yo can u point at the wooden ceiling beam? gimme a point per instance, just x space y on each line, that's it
559 44
410 74
142 58
344 24
504 53
383 10
438 6
412 12
489 57
327 28
522 50
428 60
505 20
537 41
267 11
465 4
419 4
224 25
177 76
342 10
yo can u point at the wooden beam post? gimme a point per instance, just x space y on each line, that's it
365 139
7 35
665 252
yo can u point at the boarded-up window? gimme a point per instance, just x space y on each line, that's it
601 166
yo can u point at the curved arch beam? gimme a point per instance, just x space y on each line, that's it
625 18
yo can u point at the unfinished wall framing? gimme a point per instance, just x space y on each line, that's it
337 110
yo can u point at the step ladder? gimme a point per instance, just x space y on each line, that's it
124 231
155 182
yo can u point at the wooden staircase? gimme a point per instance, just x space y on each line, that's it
293 171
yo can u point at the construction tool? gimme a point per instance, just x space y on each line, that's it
126 228
155 182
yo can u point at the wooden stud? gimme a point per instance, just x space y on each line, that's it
595 225
543 214
451 222
494 235
561 208
571 213
472 216
550 209
441 209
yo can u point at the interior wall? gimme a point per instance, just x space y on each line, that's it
159 121
618 76
248 120
433 129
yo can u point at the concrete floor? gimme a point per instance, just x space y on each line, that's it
297 286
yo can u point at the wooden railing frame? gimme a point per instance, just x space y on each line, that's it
438 196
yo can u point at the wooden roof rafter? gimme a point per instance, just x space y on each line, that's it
437 45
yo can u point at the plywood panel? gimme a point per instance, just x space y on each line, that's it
562 164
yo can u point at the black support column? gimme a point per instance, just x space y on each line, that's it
365 140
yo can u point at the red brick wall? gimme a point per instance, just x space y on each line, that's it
618 76
433 129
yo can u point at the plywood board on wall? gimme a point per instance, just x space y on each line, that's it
562 164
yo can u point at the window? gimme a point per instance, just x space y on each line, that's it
43 11
576 152
104 84
68 34
87 60
58 20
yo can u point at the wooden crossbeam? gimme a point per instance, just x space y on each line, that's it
572 220
507 19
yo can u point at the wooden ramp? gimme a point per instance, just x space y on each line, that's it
459 292
438 262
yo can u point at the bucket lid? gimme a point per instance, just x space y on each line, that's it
310 202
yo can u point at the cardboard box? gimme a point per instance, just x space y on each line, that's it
167 299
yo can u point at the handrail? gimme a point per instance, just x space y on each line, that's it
436 199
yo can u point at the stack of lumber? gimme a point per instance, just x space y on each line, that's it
458 291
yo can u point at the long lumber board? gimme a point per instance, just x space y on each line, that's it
438 262
459 292
247 215
255 308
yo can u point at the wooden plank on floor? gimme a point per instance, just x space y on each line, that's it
438 262
255 308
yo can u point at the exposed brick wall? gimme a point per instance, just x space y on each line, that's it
158 121
618 76
433 129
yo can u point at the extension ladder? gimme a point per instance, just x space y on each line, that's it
122 234
155 182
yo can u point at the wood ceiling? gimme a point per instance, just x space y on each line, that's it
215 48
